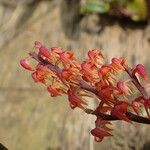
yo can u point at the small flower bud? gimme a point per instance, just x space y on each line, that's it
44 52
25 64
99 134
38 44
140 69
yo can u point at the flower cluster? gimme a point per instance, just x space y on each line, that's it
113 84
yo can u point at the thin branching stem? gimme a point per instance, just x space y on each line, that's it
136 82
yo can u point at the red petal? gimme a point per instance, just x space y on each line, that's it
120 115
94 53
38 44
99 133
121 106
25 64
67 56
57 50
44 52
122 87
117 63
86 68
75 99
53 91
104 70
140 69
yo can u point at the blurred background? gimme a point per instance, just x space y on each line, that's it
29 117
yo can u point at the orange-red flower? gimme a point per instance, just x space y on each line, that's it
55 91
38 44
40 74
75 99
119 110
99 134
25 64
62 73
123 88
140 69
44 52
57 50
117 64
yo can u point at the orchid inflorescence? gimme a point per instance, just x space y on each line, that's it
120 91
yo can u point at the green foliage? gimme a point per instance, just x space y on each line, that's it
95 6
136 10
